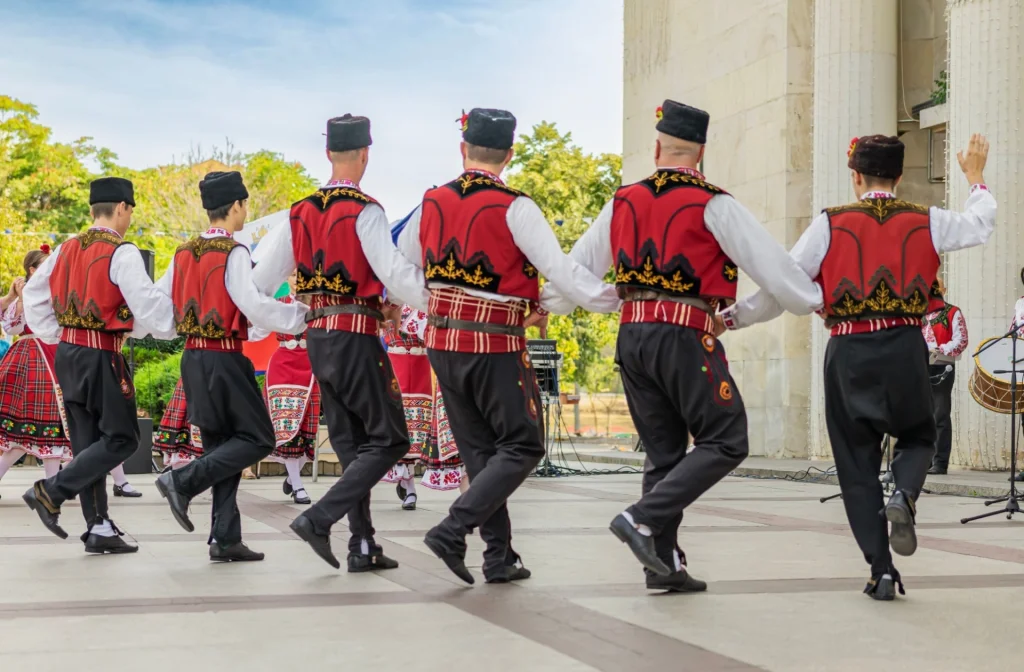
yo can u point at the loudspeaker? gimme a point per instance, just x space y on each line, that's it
149 259
141 461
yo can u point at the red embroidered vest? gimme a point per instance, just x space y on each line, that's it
203 309
83 295
881 262
466 242
328 254
660 243
942 323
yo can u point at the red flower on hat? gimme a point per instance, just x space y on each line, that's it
463 121
853 146
44 248
659 113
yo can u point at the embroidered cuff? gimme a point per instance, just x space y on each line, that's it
729 319
978 187
540 311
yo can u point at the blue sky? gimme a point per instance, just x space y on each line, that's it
152 78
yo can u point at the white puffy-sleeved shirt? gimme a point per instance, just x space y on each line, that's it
151 308
741 237
533 236
266 313
949 230
404 281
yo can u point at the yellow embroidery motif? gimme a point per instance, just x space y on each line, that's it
73 317
96 235
881 301
199 246
449 269
660 179
647 275
880 208
320 282
326 195
469 180
189 325
124 313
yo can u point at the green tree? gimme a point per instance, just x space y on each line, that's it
571 186
47 182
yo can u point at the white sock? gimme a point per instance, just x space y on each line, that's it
51 467
118 475
8 459
103 529
127 487
678 560
887 576
294 467
642 529
410 498
410 485
364 547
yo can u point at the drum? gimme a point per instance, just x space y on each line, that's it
992 390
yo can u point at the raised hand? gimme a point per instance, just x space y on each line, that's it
973 160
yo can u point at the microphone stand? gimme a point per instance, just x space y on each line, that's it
1012 498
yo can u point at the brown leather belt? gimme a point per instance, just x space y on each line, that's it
440 322
649 295
344 309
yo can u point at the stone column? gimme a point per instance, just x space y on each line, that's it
855 67
986 69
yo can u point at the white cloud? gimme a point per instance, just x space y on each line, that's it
151 79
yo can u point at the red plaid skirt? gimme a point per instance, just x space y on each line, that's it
31 406
176 438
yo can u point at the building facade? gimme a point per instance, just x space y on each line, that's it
788 83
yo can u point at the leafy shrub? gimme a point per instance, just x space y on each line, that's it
154 384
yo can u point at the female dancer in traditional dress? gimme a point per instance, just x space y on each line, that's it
293 398
31 407
176 438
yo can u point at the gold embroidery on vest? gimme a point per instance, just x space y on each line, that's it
881 300
660 179
647 275
73 318
879 208
96 235
325 195
189 324
199 246
449 269
318 281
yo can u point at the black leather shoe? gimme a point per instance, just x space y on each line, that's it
114 545
900 513
884 587
121 492
179 504
507 574
300 497
358 562
237 552
937 470
676 582
409 505
455 562
641 545
286 487
402 492
37 500
303 527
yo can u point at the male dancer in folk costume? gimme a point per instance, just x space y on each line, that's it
338 240
482 245
945 331
32 418
215 300
676 243
93 292
293 398
876 260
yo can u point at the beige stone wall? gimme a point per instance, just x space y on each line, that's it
986 85
748 62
